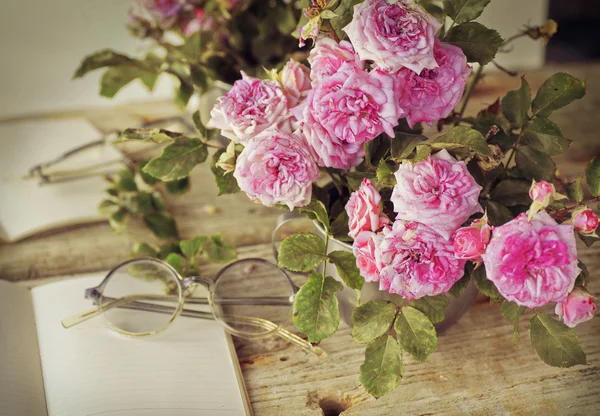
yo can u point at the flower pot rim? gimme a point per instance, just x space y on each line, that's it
322 231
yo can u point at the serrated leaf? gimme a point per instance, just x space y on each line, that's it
485 285
416 333
191 248
143 250
180 186
435 11
208 134
515 105
404 144
498 214
385 175
372 319
458 287
148 135
462 11
545 136
176 261
592 174
317 208
511 192
555 343
463 137
574 190
584 276
381 371
534 164
162 225
345 263
422 151
177 160
218 251
556 92
316 311
226 183
479 43
101 59
432 306
301 252
512 312
115 78
588 240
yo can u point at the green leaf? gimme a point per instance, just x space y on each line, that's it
555 343
179 187
592 174
556 92
199 77
177 160
498 214
219 251
117 219
511 192
534 164
339 227
463 137
574 190
107 207
432 306
512 312
191 248
485 285
301 252
462 11
479 43
167 249
137 202
158 202
208 134
415 332
162 225
115 78
422 151
584 277
404 144
143 250
345 263
385 175
318 211
101 59
372 319
176 261
148 135
316 311
515 105
435 11
381 371
125 180
226 183
545 136
458 287
588 240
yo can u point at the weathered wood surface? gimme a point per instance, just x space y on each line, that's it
476 370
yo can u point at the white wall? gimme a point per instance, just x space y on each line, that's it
41 45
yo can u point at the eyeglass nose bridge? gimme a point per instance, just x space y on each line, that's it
197 280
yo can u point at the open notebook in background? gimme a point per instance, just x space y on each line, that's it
26 207
89 370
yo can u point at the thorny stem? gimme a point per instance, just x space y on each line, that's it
503 69
565 210
468 94
514 149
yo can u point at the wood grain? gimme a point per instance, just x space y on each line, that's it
476 370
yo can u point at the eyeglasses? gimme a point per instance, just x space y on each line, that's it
250 298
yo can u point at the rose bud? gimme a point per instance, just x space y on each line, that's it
584 220
543 194
577 307
471 242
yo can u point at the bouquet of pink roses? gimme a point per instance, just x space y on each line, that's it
477 201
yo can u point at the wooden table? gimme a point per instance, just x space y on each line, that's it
476 370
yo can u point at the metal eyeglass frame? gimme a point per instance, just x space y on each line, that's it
140 302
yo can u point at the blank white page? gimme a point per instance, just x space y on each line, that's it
89 370
21 386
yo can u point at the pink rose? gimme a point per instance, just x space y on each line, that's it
364 210
584 220
541 191
364 248
346 110
432 94
394 35
415 261
438 192
250 107
471 242
295 78
327 57
276 167
578 307
532 262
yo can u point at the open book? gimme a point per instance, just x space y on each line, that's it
88 370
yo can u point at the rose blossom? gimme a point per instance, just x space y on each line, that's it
394 35
438 192
584 220
295 78
251 106
364 210
432 94
471 242
543 194
277 167
532 262
364 248
346 110
578 307
415 261
327 57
